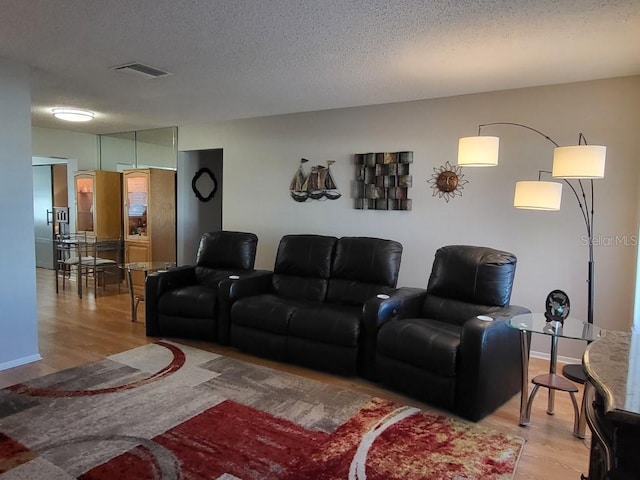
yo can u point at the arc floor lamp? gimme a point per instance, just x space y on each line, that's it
571 164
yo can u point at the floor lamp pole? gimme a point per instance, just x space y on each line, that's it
585 205
591 287
573 372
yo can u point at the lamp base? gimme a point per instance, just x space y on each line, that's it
575 373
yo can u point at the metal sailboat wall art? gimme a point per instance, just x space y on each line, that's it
318 184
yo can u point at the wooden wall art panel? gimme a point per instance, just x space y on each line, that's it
382 181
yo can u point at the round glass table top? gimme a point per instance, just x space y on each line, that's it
572 327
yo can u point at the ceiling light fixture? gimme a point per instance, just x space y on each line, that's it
73 114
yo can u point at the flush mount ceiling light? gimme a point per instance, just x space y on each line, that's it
73 114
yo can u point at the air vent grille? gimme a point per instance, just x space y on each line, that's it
140 69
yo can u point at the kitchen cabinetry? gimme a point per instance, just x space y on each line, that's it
98 195
149 218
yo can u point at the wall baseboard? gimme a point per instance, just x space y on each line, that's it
561 359
20 361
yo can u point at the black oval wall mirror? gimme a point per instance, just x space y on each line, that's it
201 185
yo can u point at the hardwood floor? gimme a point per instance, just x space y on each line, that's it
74 331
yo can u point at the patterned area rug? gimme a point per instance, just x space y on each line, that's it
167 411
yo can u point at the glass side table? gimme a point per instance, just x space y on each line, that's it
573 329
146 267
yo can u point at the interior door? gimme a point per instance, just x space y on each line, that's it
43 215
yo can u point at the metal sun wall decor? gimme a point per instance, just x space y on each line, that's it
382 181
447 181
318 184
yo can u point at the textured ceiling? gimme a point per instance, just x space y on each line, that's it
245 58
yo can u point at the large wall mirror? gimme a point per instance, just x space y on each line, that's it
154 148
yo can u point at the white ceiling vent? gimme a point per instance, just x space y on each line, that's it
141 70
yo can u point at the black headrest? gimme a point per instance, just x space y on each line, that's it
231 250
305 255
471 274
370 260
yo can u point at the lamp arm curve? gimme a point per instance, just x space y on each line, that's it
519 125
584 208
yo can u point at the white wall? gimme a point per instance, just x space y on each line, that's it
153 148
78 150
150 155
117 152
52 142
18 317
262 154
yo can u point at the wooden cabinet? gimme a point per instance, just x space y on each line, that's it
98 196
149 218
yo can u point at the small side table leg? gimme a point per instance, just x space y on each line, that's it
132 296
136 302
552 369
576 417
582 421
530 402
79 276
524 393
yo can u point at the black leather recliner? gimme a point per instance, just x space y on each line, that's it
439 351
183 302
319 308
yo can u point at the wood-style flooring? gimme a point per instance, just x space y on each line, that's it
74 331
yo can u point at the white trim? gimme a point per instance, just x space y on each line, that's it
561 359
20 361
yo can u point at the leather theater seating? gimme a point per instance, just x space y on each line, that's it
438 351
183 302
318 308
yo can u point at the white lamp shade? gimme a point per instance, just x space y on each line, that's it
579 161
538 195
478 151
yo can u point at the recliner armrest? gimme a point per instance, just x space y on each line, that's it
251 283
490 370
158 283
175 278
375 313
411 302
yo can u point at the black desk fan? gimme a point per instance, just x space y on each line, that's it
557 306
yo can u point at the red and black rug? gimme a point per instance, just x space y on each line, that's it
167 411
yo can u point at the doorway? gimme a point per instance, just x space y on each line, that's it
200 170
50 194
43 215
